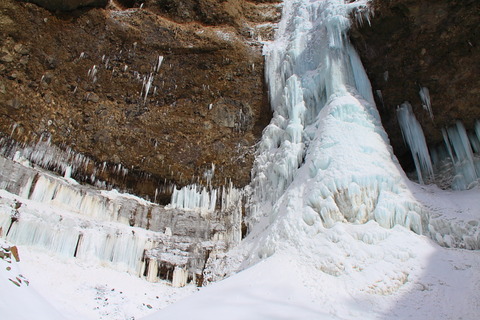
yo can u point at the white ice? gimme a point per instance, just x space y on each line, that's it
325 157
415 139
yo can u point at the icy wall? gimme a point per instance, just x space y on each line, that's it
324 158
124 232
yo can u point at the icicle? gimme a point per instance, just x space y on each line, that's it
413 135
92 73
466 165
68 173
197 198
425 97
180 276
147 83
159 63
208 174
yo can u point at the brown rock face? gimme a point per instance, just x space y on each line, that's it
68 5
165 99
433 44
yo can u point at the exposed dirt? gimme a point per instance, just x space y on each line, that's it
82 78
423 43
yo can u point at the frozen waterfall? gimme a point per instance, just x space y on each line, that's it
47 212
325 157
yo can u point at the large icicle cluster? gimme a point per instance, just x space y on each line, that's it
463 150
414 137
66 162
325 157
207 200
455 163
122 231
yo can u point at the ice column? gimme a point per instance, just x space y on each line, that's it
413 136
460 147
425 97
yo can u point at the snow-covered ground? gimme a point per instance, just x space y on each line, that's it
366 272
79 290
414 279
68 289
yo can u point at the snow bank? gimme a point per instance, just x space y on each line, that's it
17 299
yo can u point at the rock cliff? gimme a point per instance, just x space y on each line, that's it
68 5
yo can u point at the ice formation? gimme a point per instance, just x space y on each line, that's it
462 150
121 231
454 164
324 158
324 168
425 97
413 136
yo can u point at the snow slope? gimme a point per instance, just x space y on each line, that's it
426 282
82 290
18 301
363 272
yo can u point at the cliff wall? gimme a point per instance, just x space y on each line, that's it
410 44
165 90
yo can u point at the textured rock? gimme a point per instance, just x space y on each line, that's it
413 44
92 82
68 5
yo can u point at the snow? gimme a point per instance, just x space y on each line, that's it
20 302
85 290
399 275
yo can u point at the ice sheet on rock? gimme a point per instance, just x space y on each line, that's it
107 227
65 234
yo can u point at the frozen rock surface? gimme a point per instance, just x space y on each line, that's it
163 91
122 231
